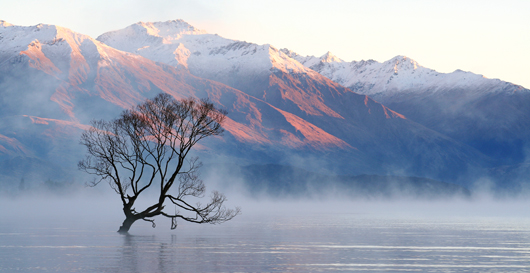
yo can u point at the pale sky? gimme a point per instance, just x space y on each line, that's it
486 37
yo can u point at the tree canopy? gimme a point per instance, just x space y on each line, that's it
148 147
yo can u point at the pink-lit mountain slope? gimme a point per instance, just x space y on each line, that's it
84 74
53 81
488 114
384 137
10 147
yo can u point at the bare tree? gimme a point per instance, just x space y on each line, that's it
147 147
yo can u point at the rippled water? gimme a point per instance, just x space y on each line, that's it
270 242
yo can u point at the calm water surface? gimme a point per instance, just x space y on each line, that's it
266 242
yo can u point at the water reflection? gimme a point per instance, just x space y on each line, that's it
290 244
130 258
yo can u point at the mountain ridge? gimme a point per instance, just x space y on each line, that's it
101 77
277 107
303 92
462 100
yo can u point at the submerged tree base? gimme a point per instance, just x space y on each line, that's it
124 228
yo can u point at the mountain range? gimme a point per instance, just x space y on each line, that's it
495 110
317 113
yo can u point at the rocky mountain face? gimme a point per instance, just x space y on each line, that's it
281 108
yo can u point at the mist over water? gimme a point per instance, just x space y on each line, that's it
77 233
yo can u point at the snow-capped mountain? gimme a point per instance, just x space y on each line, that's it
396 76
82 75
281 106
244 66
275 77
488 114
206 55
53 81
254 69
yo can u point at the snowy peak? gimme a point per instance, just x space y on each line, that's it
171 42
312 61
16 37
78 63
5 24
290 53
171 30
403 63
19 37
154 32
46 45
285 63
210 56
329 58
39 43
400 74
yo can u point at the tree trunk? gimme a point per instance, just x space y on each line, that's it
127 223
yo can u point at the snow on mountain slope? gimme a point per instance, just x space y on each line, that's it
59 78
206 55
488 114
44 43
79 66
397 75
282 107
238 64
254 69
276 78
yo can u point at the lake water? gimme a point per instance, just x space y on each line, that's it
275 239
